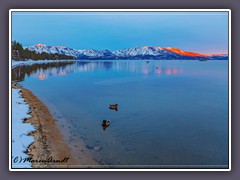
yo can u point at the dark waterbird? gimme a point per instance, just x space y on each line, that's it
105 124
113 107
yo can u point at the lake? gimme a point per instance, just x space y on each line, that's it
171 114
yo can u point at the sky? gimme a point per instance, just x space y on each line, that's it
203 32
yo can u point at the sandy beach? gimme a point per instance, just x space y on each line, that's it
50 149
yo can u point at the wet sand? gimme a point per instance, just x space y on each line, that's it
49 143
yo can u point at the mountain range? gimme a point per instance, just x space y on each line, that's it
143 52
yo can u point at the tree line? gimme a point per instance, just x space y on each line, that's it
25 54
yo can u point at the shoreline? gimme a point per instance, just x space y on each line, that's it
50 148
49 143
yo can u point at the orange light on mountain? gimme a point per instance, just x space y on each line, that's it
40 45
158 47
216 54
185 53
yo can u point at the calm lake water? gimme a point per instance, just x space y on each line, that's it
171 113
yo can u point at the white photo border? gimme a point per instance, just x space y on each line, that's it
119 10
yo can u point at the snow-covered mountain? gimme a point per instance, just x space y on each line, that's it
39 48
144 52
79 54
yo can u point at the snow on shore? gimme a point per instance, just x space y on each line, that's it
20 140
30 62
17 63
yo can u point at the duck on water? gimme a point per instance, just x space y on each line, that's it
113 107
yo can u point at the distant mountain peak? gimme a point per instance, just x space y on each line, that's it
158 47
142 52
61 46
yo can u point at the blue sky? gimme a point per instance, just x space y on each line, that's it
204 32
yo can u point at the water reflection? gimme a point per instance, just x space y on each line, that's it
174 71
105 127
178 109
41 76
44 71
